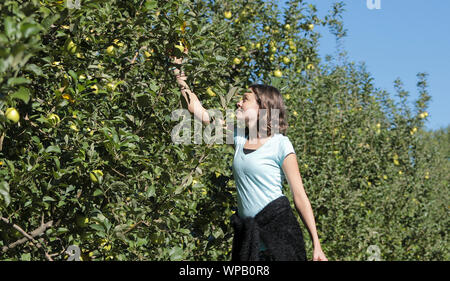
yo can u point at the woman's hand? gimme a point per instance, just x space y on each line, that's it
181 77
176 60
318 254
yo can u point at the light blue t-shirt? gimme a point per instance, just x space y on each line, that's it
259 175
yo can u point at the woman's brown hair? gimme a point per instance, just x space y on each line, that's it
269 98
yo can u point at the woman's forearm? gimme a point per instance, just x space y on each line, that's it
194 104
304 208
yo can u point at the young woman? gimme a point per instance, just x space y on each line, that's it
265 226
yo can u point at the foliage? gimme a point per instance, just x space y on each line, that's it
103 168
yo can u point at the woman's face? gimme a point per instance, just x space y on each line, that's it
247 107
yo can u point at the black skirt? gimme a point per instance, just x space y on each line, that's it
279 229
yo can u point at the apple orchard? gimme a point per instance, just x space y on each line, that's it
86 156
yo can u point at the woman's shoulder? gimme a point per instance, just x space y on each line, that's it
281 137
283 141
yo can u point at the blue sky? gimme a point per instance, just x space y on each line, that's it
399 40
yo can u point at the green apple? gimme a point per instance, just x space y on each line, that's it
210 92
110 50
278 73
12 114
96 175
54 119
71 47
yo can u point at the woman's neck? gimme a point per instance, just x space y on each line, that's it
257 136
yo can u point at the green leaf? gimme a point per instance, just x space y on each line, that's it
151 191
184 231
97 227
48 21
231 93
73 74
151 4
13 81
98 192
22 94
25 257
222 101
34 68
53 148
220 58
10 26
62 230
48 198
3 38
153 87
36 139
28 29
4 192
176 253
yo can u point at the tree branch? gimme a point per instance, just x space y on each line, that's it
37 232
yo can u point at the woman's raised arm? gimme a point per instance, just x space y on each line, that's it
194 104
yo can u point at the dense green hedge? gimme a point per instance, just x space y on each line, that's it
103 173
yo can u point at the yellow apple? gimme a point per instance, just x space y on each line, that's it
286 60
111 86
74 127
67 97
227 14
180 47
71 47
278 73
95 175
118 43
95 88
110 50
54 119
210 92
12 114
236 61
